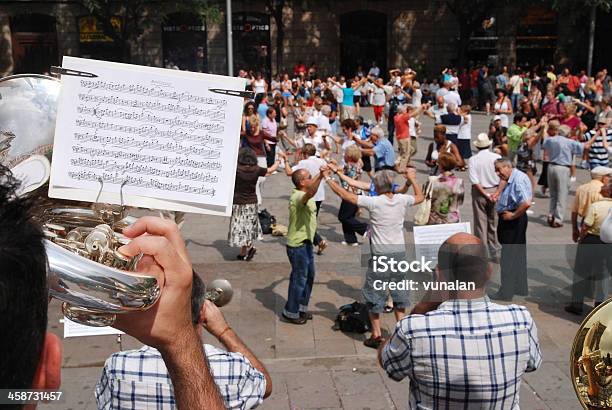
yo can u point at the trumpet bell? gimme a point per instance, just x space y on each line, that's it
220 292
590 359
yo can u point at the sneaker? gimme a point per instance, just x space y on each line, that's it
345 243
573 179
574 309
374 343
250 254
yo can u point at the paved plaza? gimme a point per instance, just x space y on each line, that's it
313 366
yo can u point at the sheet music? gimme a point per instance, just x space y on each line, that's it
160 133
73 329
429 238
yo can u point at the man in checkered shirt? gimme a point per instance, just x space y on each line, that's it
139 378
460 350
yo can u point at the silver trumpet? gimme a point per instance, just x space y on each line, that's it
85 271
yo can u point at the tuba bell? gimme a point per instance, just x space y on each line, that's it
590 360
85 271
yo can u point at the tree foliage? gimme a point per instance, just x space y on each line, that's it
137 16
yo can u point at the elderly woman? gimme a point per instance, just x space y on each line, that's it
244 227
386 232
447 193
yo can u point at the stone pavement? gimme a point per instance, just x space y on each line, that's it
313 366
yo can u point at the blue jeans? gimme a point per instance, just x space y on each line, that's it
515 98
301 279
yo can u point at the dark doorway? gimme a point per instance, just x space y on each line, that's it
34 38
184 42
251 36
363 39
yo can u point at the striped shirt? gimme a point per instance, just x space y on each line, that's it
598 155
138 379
468 353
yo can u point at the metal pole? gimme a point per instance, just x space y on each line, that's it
591 40
230 47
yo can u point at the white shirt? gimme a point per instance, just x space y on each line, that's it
412 127
438 112
452 97
316 140
313 165
481 169
259 86
386 218
378 97
516 82
465 129
441 92
324 125
605 232
417 95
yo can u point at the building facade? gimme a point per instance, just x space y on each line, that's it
337 35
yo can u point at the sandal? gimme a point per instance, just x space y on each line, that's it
250 254
374 343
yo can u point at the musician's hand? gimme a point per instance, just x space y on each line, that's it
213 319
169 321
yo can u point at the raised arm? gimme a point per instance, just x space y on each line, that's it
338 190
312 189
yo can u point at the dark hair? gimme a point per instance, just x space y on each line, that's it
348 123
23 287
298 176
198 290
270 110
246 156
519 117
247 105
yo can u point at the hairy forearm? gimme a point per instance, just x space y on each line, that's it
194 385
233 343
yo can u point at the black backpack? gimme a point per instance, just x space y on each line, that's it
266 220
353 318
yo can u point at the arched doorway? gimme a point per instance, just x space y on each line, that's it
363 39
184 42
251 37
34 38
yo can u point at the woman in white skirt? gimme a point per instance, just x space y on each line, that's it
244 227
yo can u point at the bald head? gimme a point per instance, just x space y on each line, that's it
463 257
440 101
300 177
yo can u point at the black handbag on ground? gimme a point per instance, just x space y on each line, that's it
266 220
353 318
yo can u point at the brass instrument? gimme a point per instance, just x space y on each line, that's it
590 360
86 271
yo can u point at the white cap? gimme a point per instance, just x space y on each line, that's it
482 141
312 121
497 117
600 171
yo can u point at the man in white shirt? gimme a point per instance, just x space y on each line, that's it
437 111
452 97
485 184
516 85
312 164
374 70
379 99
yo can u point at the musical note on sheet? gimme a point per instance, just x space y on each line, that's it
160 133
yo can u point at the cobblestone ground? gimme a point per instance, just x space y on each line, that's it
313 366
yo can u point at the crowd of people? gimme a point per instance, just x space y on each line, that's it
459 349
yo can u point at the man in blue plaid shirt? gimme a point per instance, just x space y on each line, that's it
459 349
139 378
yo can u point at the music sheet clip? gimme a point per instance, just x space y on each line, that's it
246 94
66 71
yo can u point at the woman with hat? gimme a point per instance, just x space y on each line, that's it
503 107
